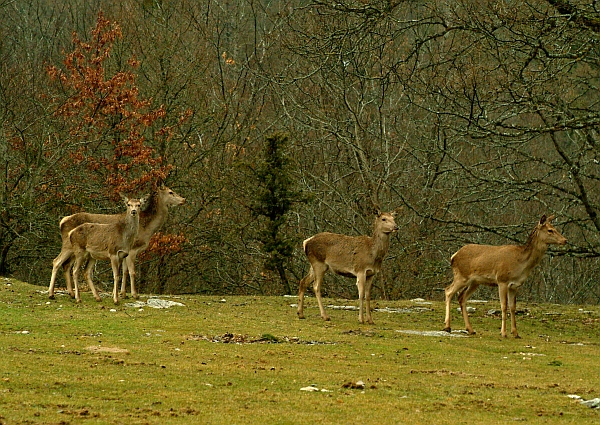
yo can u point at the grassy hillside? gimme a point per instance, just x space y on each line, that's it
245 360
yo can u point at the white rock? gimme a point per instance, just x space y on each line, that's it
593 403
158 303
469 309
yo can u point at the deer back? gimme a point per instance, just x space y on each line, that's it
506 263
487 263
99 239
102 239
72 221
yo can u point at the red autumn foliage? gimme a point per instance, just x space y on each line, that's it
162 244
109 123
106 117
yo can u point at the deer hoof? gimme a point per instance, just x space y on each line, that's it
51 297
447 330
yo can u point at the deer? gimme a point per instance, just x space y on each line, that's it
357 257
504 266
95 241
152 217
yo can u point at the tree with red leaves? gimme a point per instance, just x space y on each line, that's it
110 127
107 120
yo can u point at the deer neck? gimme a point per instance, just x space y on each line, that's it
380 244
132 225
153 218
533 251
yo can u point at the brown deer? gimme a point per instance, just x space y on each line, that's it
152 218
505 266
357 257
95 241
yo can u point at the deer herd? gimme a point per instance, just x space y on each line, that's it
119 238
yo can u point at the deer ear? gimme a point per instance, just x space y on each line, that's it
376 211
543 219
123 197
144 202
549 219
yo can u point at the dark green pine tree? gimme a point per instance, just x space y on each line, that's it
274 199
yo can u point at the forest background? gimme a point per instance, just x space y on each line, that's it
280 119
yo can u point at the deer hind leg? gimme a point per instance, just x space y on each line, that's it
62 259
309 278
89 271
368 286
67 271
503 293
457 284
319 271
462 301
76 270
512 304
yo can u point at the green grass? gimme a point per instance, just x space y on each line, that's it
63 363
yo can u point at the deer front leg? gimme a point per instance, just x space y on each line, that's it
368 286
512 303
124 279
130 261
503 292
360 283
129 266
115 262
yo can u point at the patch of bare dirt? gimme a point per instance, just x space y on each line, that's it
232 338
111 350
